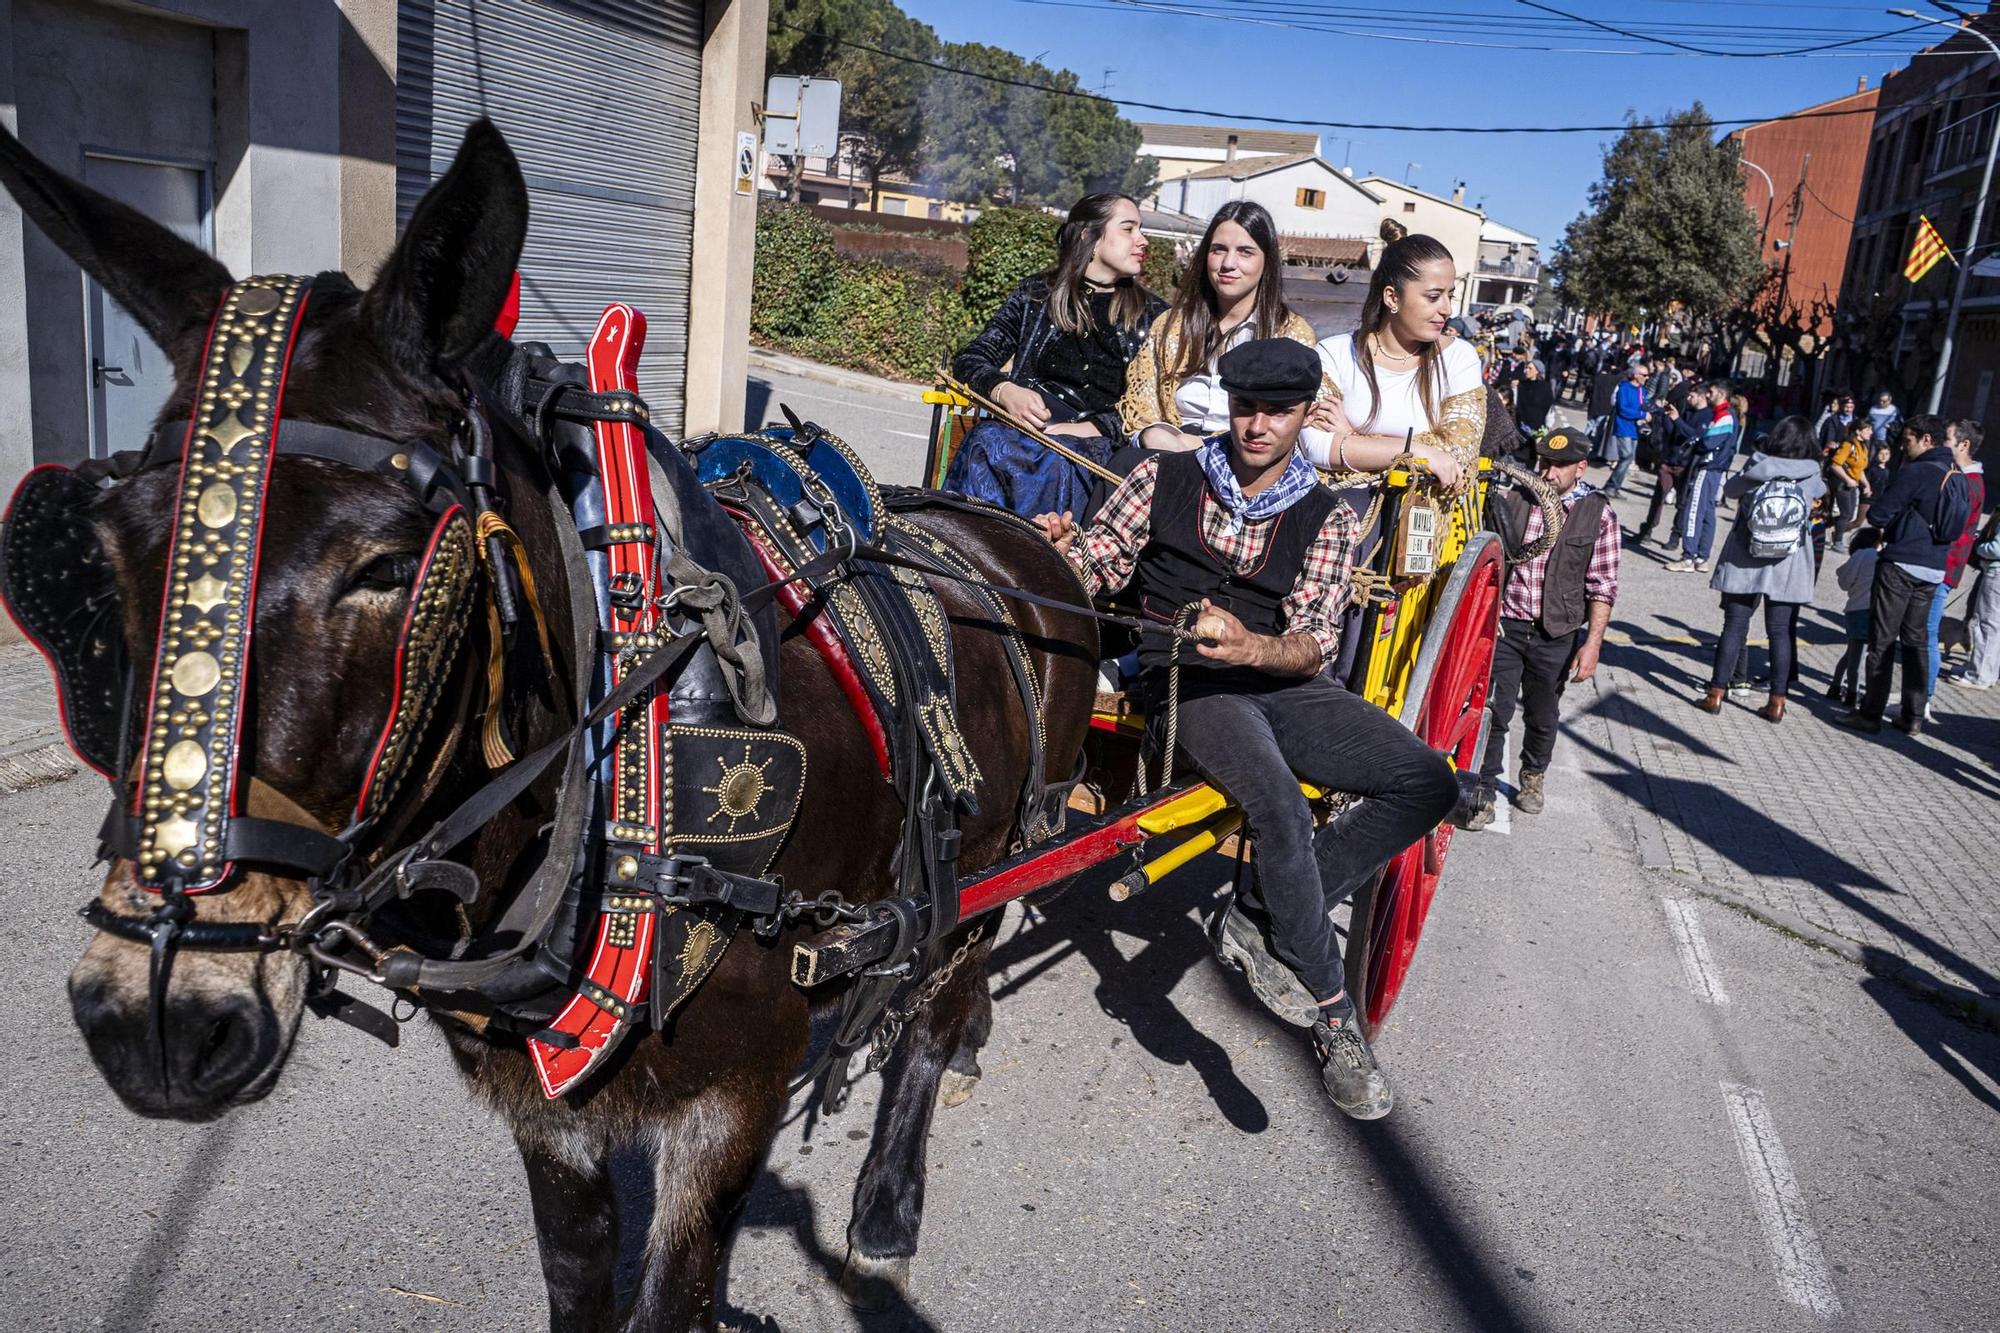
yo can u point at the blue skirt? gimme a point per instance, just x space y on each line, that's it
1001 466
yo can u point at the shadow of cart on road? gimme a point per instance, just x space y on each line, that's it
1138 992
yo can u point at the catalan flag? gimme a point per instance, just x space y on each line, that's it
1925 250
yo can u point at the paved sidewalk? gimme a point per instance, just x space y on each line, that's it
1888 842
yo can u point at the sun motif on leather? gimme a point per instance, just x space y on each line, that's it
739 791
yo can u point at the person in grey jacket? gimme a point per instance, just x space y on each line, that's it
1784 582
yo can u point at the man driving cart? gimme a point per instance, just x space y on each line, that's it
1239 535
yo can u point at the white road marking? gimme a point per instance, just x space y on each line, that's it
1692 945
1802 1275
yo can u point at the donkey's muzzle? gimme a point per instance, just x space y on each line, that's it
196 1064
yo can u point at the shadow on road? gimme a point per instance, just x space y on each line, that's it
756 402
132 1305
783 1207
1138 992
1967 1055
1761 845
1442 1224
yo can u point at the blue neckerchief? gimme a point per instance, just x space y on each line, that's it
1292 486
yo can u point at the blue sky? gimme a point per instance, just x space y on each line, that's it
1349 61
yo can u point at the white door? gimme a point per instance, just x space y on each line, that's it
130 377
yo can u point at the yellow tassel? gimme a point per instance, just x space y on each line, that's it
492 743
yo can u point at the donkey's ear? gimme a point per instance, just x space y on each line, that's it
437 297
168 285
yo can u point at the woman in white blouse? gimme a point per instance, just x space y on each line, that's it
1400 384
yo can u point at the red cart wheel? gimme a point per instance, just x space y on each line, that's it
1445 705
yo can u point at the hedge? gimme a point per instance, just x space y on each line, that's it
1002 247
893 319
796 272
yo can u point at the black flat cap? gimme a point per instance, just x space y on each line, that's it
1563 445
1271 370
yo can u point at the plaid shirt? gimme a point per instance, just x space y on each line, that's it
1106 553
1522 599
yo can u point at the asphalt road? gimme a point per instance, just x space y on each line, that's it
1619 1108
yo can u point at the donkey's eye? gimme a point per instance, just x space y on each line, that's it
384 574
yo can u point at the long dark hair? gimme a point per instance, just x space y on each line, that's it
1076 245
1401 262
1790 438
1198 312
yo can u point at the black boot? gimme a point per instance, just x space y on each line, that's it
1347 1067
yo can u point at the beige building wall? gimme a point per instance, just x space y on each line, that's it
1453 224
725 222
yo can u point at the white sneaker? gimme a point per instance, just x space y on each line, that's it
1971 684
1930 713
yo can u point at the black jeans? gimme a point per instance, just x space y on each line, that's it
1781 624
1257 745
1530 668
1671 479
1900 614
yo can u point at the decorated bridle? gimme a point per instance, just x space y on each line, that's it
182 821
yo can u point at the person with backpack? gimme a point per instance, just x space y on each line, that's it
1921 512
1767 557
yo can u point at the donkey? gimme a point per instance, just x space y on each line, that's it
706 1099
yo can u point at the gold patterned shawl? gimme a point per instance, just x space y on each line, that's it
1152 380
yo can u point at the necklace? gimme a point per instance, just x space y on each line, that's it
1092 285
1387 355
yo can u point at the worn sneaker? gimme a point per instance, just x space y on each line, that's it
1482 813
1239 943
1681 566
1528 799
1347 1068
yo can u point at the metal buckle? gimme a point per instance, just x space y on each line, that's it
628 592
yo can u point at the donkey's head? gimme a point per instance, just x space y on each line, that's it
327 614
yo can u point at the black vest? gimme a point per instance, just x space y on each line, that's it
1177 567
1564 605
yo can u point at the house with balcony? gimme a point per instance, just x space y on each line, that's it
1508 271
1452 222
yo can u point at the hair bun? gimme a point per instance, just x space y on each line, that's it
1393 231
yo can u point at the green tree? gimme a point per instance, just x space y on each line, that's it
988 138
1667 226
881 98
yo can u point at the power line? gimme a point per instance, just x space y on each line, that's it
1293 121
1706 51
1468 28
1824 204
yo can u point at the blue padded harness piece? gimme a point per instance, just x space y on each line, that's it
773 457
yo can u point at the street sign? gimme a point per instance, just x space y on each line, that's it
802 116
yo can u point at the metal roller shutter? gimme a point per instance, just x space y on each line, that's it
601 101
